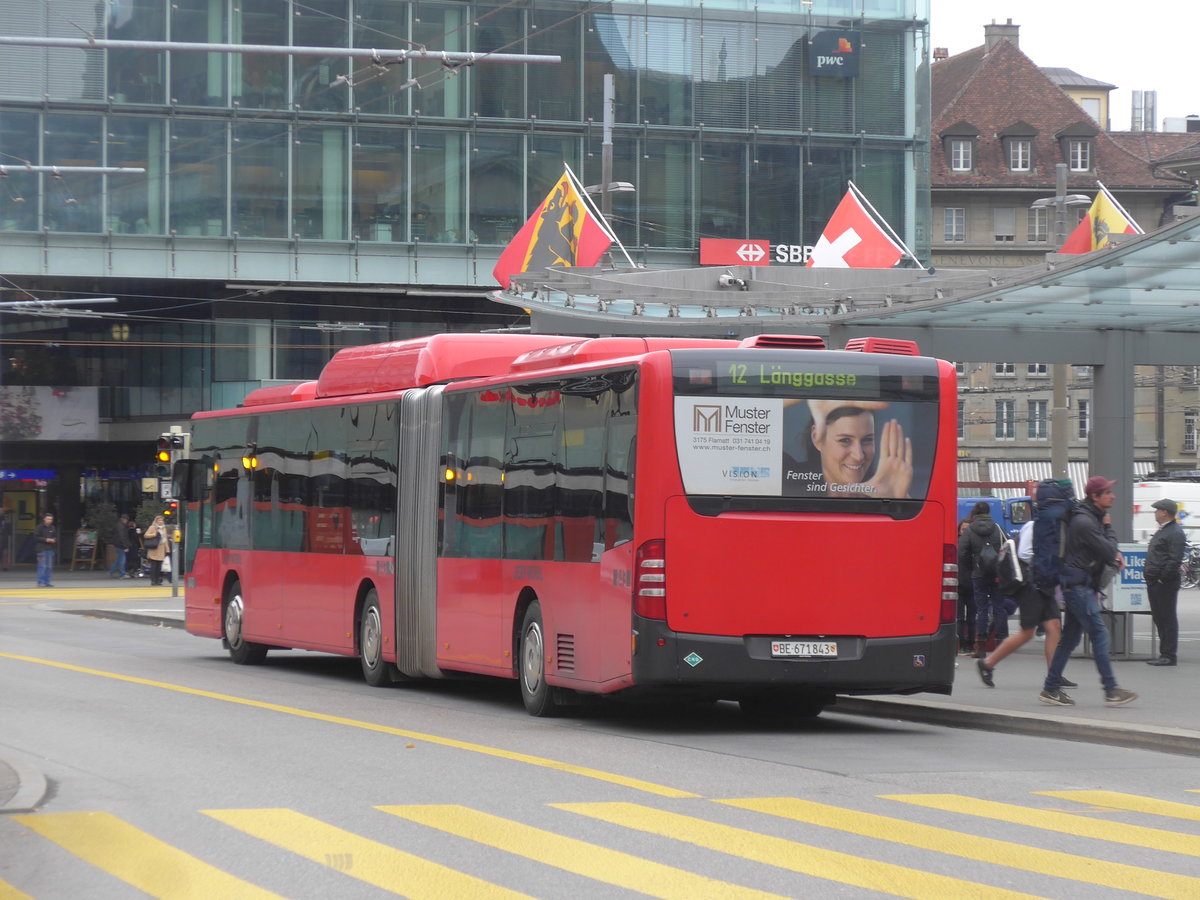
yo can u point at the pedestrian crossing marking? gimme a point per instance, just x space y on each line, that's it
572 855
1053 820
1131 803
359 857
138 858
1120 876
8 892
806 859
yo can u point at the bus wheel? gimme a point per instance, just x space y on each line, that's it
370 644
241 651
540 698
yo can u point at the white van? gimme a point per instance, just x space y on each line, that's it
1185 493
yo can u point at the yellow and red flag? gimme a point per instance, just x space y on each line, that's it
561 232
1104 217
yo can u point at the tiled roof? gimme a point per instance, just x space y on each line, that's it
997 88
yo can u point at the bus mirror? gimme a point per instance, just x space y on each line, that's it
189 480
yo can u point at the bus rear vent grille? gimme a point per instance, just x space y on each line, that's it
566 653
785 342
883 345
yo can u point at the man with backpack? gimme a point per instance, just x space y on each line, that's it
1038 608
981 542
1090 556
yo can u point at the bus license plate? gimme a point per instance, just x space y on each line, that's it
803 648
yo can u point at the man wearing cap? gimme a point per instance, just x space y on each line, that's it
1091 557
1163 558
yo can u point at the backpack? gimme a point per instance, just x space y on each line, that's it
986 560
1008 569
1054 504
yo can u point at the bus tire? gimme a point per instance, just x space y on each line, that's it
241 651
540 698
376 671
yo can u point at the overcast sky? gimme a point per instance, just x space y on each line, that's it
1151 45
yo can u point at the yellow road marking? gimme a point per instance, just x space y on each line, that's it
983 849
1131 803
831 865
1064 823
138 858
115 593
8 892
358 857
571 855
582 771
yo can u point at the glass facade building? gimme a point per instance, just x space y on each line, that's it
286 198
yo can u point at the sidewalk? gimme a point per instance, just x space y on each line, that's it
1167 697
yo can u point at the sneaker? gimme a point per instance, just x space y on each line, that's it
1056 697
1118 697
1062 683
985 672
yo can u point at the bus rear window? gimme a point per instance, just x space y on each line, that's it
838 426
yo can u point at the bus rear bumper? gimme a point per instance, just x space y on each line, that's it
898 665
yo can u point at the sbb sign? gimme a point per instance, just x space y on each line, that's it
750 252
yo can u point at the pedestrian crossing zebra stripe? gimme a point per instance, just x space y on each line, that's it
359 857
601 864
140 859
806 859
1060 822
1130 803
1086 869
8 892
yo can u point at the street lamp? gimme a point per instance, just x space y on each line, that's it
1058 371
1060 201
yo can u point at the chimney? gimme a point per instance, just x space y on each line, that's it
941 52
993 34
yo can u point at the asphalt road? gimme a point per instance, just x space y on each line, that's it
170 772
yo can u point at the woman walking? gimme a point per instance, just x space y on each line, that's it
157 541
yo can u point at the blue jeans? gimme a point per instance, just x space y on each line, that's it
45 566
989 605
1083 614
117 569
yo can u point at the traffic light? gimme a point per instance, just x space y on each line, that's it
169 444
172 510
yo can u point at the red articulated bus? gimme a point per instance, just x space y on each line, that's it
767 520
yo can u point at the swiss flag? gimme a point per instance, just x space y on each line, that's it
853 240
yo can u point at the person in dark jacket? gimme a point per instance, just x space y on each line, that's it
1089 559
120 545
966 595
46 537
991 616
1163 558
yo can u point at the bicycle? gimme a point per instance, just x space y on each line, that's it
1189 567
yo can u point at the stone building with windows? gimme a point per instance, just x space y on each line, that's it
292 205
1001 125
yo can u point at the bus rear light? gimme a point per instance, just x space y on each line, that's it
949 606
650 581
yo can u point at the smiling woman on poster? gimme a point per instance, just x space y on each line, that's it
850 457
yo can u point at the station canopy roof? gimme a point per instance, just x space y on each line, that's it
1146 283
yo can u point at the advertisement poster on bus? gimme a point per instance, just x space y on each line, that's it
826 446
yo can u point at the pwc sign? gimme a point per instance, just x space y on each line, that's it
736 252
834 54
